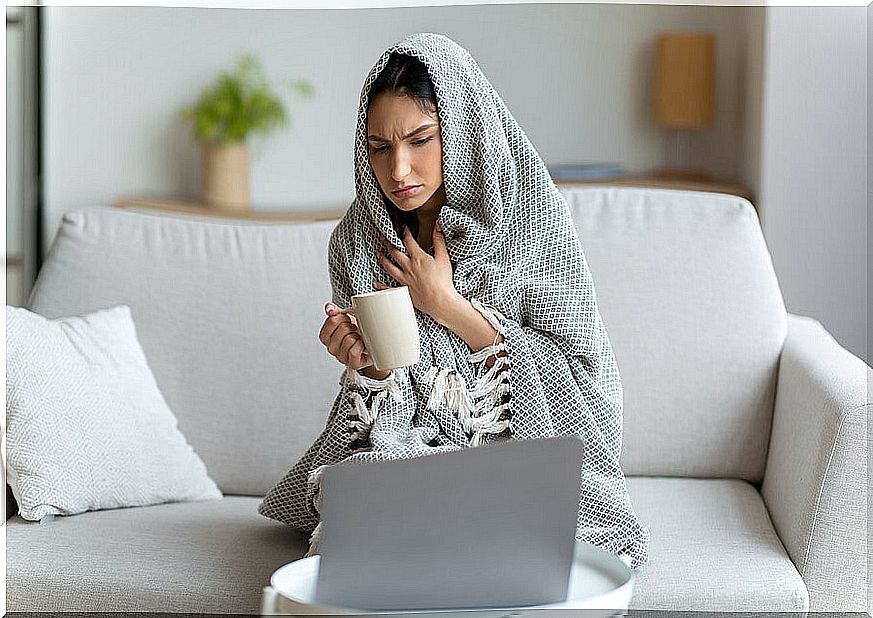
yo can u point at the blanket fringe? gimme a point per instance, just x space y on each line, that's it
362 421
314 477
314 540
479 412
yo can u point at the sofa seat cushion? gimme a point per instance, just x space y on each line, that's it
712 548
210 557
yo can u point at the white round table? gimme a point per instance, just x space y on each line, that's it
600 583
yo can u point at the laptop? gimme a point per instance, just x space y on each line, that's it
490 526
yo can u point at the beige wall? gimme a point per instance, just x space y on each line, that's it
813 198
790 109
576 76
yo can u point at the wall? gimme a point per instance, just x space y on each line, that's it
869 261
751 83
790 109
813 191
575 76
21 156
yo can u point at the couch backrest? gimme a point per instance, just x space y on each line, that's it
687 291
228 316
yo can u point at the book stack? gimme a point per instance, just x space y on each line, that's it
585 171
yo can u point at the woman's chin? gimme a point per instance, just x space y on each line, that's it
413 203
407 205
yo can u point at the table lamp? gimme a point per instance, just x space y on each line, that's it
684 87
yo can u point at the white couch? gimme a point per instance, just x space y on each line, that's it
745 428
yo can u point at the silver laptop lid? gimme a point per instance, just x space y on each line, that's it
491 526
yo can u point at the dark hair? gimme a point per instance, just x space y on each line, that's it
404 76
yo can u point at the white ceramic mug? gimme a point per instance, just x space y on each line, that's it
386 319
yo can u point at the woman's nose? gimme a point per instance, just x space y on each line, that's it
400 165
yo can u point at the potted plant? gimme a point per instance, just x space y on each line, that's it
238 104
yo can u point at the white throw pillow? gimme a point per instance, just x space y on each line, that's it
86 425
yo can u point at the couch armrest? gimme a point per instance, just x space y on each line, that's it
815 483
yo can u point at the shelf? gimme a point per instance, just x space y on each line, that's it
667 183
196 208
284 216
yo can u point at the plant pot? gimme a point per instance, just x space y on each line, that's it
225 176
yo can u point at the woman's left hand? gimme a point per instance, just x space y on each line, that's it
429 279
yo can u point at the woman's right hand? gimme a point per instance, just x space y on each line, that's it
343 340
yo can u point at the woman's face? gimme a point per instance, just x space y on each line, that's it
406 150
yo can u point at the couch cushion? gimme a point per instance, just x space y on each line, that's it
687 291
227 314
713 548
213 557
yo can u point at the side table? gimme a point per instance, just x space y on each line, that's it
600 586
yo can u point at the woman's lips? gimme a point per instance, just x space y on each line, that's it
407 193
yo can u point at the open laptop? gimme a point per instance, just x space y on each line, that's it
491 526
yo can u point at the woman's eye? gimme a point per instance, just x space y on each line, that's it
420 142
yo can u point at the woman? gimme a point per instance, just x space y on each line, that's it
512 343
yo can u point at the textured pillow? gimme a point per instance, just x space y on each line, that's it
86 426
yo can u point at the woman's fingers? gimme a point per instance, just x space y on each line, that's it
409 242
348 342
356 355
439 243
326 329
397 255
343 341
342 331
331 323
391 269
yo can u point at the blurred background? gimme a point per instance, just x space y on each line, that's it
778 114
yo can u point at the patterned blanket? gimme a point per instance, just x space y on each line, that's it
517 258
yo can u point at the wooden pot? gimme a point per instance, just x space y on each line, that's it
225 176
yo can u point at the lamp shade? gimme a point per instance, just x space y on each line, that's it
684 84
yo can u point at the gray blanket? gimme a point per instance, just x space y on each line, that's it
517 258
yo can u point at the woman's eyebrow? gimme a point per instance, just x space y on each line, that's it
376 138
